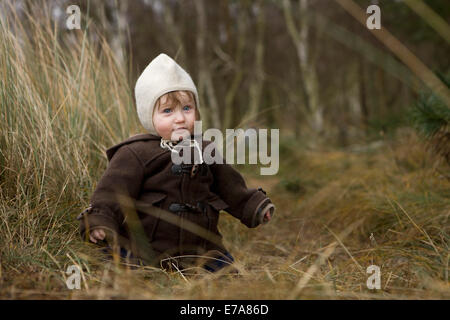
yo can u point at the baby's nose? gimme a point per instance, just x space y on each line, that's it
179 116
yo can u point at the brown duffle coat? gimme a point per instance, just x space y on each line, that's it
141 184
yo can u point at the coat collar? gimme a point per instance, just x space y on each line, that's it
139 137
142 137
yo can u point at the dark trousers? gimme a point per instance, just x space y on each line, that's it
213 265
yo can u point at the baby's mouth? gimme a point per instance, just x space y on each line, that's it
180 133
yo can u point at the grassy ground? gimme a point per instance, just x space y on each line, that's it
318 245
338 211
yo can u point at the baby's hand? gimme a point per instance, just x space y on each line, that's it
267 213
97 234
267 216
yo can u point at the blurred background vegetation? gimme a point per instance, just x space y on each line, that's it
364 140
307 67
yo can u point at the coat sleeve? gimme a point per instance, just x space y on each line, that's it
244 204
121 180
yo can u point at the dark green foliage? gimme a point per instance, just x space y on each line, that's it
431 117
386 125
292 185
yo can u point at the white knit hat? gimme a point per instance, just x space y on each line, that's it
161 76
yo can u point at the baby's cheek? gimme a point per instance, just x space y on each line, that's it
161 127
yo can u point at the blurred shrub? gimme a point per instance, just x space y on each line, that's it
292 185
431 118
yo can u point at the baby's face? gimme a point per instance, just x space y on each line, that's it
174 121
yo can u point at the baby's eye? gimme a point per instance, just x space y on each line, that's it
187 108
167 110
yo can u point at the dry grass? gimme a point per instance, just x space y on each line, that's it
63 102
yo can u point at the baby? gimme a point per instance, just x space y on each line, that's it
154 208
